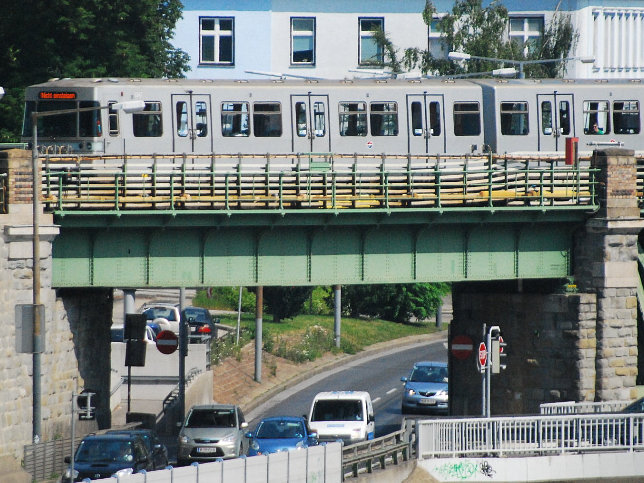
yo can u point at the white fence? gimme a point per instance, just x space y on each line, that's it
572 407
529 435
316 464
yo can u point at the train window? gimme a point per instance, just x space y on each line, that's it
564 117
596 117
89 122
319 119
384 119
416 118
267 119
216 35
300 119
234 119
467 119
626 117
353 119
113 119
546 117
435 118
514 118
181 109
201 119
147 124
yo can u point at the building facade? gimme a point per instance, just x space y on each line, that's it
334 39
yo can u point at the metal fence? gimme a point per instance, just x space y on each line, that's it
529 435
572 407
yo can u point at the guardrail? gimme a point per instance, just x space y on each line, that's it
584 407
529 435
455 182
375 453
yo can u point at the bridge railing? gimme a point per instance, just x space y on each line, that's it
464 182
529 435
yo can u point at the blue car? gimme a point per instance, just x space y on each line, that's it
281 433
426 388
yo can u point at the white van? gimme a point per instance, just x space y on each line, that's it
345 415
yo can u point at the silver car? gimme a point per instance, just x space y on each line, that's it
211 431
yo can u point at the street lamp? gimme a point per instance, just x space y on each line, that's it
129 107
1 92
520 63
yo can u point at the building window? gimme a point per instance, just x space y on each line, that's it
234 119
371 52
525 31
596 117
303 41
147 124
216 37
514 118
435 39
353 119
626 117
384 119
267 119
467 119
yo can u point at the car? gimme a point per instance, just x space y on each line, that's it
211 431
614 428
118 334
200 322
106 455
165 315
342 415
280 433
426 389
155 447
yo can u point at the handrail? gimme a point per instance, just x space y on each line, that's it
375 452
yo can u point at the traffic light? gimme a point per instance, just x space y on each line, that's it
497 350
86 409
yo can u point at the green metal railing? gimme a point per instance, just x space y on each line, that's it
487 182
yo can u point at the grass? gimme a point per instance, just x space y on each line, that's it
307 337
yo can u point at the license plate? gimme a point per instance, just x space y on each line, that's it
430 401
206 450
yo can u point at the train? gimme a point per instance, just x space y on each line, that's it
359 116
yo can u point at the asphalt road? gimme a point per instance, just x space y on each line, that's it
379 374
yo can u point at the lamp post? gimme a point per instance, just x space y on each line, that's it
129 107
520 63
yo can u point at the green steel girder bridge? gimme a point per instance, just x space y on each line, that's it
318 219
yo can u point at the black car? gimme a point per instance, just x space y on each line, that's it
615 429
155 447
105 455
200 322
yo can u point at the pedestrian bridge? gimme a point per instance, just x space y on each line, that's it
321 219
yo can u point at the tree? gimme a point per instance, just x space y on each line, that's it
481 31
395 302
285 302
41 39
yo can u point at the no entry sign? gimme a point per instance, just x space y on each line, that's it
462 346
167 342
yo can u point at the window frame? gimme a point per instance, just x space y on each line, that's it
312 36
619 116
367 35
152 109
511 117
457 113
386 117
217 35
349 112
525 35
259 127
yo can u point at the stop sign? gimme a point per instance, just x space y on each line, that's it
482 354
167 342
462 346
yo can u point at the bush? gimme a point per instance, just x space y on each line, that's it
308 347
225 298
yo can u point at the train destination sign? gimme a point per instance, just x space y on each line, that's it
56 95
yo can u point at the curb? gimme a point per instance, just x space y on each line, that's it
342 358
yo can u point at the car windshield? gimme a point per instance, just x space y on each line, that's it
338 410
97 450
428 374
196 315
143 435
209 418
159 312
280 430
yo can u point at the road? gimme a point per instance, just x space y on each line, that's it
378 374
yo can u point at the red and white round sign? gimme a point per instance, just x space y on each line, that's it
482 354
462 346
167 342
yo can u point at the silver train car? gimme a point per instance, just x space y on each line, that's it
416 117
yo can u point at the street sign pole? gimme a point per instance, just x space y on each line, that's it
488 374
483 380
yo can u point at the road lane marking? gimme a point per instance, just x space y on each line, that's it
375 400
392 390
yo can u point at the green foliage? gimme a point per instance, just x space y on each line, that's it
285 302
398 303
320 301
40 39
225 298
315 341
226 346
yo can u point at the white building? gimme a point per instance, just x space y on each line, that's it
334 39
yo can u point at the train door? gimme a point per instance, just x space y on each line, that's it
426 123
556 121
310 114
191 125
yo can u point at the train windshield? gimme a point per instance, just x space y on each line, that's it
70 125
